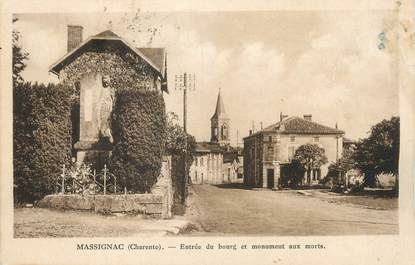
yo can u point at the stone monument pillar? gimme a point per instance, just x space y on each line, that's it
95 135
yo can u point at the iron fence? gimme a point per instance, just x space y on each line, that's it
103 182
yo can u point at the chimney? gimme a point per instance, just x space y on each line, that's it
74 36
282 116
250 132
307 117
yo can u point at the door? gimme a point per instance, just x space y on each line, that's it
270 178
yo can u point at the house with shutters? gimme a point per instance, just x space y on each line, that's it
268 152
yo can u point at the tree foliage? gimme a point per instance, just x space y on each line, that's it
307 157
341 166
175 146
41 138
139 127
19 57
379 153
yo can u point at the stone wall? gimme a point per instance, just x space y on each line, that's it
149 204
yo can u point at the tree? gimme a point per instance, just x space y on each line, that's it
139 127
341 166
306 158
379 153
19 58
41 138
175 146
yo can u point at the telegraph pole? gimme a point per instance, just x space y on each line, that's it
185 81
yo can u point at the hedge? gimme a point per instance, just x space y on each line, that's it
41 138
139 131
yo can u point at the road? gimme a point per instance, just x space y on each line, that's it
233 210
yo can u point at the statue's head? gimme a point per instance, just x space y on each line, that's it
106 80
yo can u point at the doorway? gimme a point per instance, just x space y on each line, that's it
270 178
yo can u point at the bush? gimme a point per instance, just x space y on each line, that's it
177 174
41 138
139 130
175 145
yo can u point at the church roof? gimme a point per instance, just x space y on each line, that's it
208 147
220 109
155 57
297 125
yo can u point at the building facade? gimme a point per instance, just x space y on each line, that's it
267 153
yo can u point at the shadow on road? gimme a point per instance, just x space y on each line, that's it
239 186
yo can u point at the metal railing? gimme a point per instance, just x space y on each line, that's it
103 182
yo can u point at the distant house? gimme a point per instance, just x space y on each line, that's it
216 162
348 144
267 153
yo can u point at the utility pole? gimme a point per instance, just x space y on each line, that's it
237 139
184 82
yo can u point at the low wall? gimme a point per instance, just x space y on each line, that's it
158 203
149 204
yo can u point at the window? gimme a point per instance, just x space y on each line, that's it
224 132
201 161
291 152
316 139
270 152
292 139
196 176
196 161
270 138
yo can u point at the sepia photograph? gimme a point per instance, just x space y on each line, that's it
242 123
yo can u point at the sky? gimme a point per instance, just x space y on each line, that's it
324 63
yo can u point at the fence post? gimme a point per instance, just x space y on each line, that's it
115 185
105 179
63 179
95 182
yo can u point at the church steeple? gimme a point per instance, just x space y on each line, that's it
220 108
220 124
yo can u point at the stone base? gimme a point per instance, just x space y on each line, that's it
148 204
96 154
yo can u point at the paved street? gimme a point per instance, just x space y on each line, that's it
233 210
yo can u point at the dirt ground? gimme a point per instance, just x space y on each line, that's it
235 210
39 223
228 210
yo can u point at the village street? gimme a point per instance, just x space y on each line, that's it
233 210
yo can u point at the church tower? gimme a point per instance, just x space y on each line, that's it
220 124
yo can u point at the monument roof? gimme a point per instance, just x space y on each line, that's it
155 57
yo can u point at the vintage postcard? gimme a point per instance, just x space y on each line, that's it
199 133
